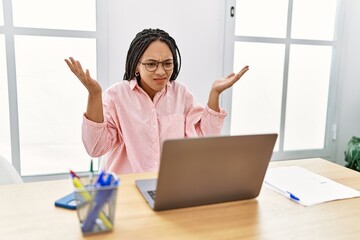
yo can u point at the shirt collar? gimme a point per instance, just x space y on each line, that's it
133 83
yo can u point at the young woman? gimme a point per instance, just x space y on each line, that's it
129 121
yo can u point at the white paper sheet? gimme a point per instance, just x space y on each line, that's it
306 187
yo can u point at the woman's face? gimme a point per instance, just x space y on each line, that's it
154 81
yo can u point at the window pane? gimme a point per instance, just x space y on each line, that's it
64 14
5 148
313 19
256 98
307 97
51 102
261 18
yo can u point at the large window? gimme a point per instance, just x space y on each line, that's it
290 46
41 101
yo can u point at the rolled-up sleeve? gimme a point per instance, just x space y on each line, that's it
204 122
98 138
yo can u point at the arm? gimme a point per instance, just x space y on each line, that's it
200 120
94 111
220 85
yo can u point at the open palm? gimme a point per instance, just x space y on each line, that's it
91 84
222 84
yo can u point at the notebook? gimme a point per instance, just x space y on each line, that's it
207 170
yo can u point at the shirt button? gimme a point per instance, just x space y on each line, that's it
154 126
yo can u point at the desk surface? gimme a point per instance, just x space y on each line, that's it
27 212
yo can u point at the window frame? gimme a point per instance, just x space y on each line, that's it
10 31
331 127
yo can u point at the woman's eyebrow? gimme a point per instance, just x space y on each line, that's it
154 60
149 59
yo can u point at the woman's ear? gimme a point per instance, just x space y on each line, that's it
137 73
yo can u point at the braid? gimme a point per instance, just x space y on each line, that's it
141 42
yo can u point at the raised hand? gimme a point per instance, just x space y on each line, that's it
222 84
91 84
94 111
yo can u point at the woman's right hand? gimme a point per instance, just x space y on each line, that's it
91 84
94 111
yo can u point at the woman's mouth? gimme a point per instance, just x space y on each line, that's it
160 80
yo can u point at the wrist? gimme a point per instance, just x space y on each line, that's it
95 94
213 102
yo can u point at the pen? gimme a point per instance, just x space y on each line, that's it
79 186
286 193
292 196
73 174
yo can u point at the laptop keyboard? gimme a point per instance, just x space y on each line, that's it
152 194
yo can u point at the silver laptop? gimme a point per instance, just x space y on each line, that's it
206 170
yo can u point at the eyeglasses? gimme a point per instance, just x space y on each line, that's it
151 66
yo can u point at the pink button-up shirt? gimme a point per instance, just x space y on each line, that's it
134 126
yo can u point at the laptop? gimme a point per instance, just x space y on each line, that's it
208 170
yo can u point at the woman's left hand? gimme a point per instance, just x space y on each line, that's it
222 84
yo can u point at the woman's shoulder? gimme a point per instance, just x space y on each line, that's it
119 86
180 88
114 91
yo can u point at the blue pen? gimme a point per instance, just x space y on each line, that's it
99 181
106 179
292 196
286 193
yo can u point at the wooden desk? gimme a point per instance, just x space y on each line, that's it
27 211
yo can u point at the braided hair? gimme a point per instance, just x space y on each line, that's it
141 42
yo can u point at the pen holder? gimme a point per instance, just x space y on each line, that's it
96 205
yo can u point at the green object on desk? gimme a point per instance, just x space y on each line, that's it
91 166
91 172
352 154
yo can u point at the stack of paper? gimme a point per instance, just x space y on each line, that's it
306 187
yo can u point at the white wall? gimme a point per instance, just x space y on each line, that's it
348 100
198 28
